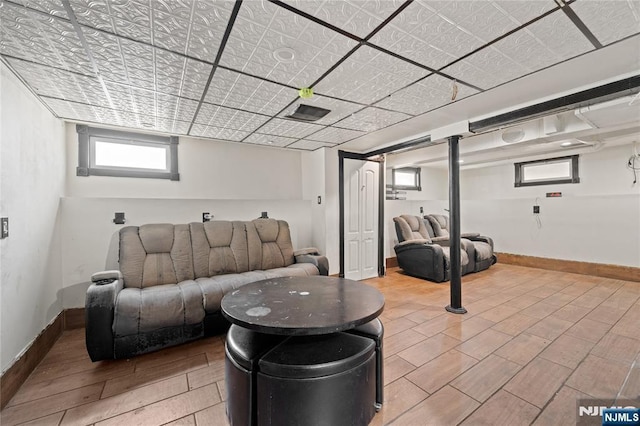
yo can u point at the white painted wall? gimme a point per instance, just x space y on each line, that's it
32 144
230 180
597 220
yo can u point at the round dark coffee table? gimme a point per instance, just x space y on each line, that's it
297 306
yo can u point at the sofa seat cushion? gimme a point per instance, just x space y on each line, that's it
295 270
214 288
140 310
464 258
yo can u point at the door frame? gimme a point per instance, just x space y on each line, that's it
342 155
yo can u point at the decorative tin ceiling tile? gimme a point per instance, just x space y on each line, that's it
609 21
430 93
358 17
289 128
372 119
545 42
369 75
269 140
222 117
335 135
83 112
58 83
339 109
194 28
271 42
42 39
218 133
51 7
309 145
236 90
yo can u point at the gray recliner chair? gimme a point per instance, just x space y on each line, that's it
423 256
483 255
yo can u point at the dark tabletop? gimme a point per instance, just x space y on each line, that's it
302 305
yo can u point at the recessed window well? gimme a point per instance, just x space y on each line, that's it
406 178
546 172
104 152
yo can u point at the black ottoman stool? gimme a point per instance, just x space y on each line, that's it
242 353
374 330
323 380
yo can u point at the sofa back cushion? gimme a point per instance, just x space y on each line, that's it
440 224
410 228
155 254
269 244
219 247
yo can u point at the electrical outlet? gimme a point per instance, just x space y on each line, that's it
206 217
536 209
5 227
421 210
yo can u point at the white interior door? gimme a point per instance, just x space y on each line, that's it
361 219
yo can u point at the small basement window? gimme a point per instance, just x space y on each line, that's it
105 152
546 172
407 178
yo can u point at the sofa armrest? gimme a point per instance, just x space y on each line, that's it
416 242
321 262
482 238
308 250
105 277
99 313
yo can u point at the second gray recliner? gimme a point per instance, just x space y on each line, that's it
483 255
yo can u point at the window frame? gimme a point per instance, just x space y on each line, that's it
574 178
415 170
87 136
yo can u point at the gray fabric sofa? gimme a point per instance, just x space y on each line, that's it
172 278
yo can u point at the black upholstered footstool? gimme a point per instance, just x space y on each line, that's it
318 380
374 330
242 353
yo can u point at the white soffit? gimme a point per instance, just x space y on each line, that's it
262 28
369 75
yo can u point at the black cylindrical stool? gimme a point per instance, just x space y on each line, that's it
242 353
318 380
374 330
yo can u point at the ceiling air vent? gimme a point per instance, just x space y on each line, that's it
308 113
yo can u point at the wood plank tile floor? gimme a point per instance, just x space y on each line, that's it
532 342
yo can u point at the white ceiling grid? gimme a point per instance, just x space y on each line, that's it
167 66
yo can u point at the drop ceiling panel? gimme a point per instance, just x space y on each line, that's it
289 128
193 28
218 133
36 37
309 145
262 28
369 75
236 90
84 112
339 109
609 21
269 140
335 135
58 83
51 7
217 116
432 92
358 17
372 119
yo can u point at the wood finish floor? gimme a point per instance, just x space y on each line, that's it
532 342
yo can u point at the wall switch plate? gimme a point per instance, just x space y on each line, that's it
5 227
319 199
264 215
421 210
536 209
